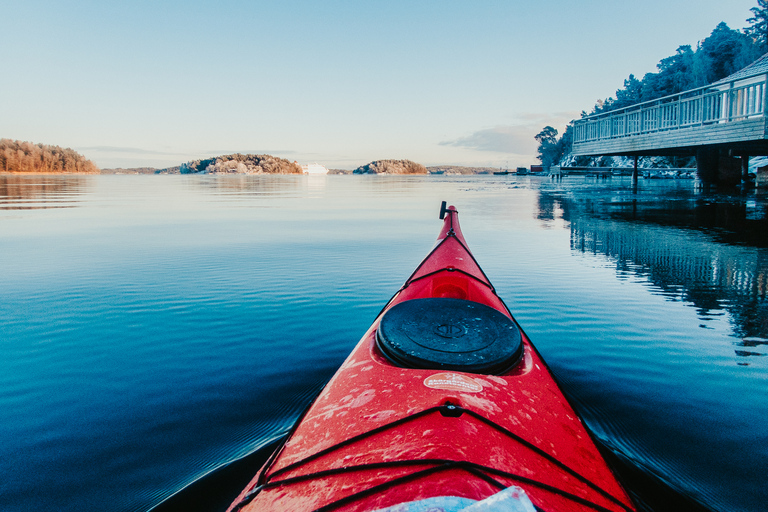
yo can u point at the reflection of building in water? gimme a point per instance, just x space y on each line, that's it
732 219
41 191
684 264
678 245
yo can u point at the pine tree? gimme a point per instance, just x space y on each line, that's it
758 29
547 139
725 51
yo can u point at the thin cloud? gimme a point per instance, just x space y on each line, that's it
275 152
500 139
123 149
516 138
142 151
549 118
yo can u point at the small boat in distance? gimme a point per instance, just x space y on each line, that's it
314 168
444 404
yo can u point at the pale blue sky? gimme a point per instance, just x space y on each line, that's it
341 83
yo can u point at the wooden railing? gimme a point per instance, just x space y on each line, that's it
727 102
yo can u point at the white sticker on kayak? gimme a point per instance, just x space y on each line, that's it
453 382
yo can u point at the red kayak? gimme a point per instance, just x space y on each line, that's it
444 404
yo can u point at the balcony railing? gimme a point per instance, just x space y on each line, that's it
724 103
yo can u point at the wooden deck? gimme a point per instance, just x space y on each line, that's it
730 114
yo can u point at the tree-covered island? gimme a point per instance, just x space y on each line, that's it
239 163
18 157
391 167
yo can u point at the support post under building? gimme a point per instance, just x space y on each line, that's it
718 167
706 164
634 171
744 170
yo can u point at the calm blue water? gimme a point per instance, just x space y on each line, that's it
155 328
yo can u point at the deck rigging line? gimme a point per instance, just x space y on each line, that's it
446 410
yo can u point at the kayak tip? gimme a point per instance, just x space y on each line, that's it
445 209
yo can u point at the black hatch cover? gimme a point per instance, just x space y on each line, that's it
449 334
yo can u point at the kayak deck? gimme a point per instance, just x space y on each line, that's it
382 433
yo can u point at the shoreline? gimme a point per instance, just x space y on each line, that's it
28 173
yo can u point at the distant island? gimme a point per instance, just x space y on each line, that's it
19 157
267 164
141 170
391 167
238 163
434 169
458 169
409 167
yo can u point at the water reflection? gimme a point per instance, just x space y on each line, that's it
231 186
750 342
239 187
730 218
706 250
28 192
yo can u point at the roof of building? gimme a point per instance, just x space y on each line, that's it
758 67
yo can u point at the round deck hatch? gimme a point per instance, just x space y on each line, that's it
449 334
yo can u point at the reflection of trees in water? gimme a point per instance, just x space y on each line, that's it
249 184
45 191
293 185
706 250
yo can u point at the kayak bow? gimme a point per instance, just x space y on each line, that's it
444 402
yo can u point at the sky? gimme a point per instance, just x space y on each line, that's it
340 83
